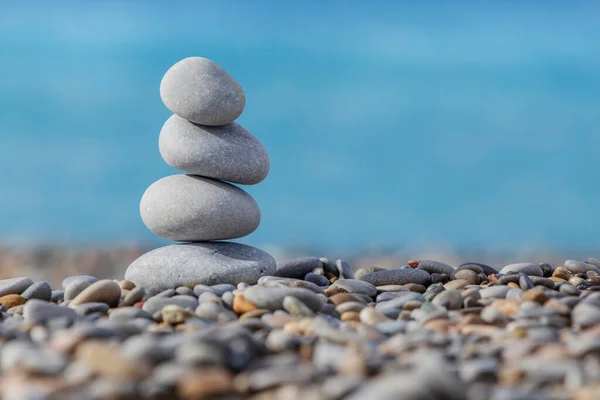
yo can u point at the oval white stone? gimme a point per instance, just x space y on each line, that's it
189 208
227 152
200 91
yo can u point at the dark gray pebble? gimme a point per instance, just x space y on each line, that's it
398 277
39 290
298 267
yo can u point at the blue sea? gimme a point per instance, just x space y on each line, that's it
462 123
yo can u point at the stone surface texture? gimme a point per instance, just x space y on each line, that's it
200 91
188 208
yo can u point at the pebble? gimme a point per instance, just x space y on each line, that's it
576 267
316 279
526 268
12 300
355 286
85 278
397 277
296 307
200 91
436 267
272 298
496 292
40 311
292 338
14 285
227 152
39 290
188 208
74 288
102 291
199 263
450 299
298 267
344 270
155 304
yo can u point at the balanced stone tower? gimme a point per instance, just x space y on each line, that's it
200 208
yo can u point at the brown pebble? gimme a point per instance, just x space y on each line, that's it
511 376
12 300
205 384
535 295
350 316
413 263
561 273
513 285
127 285
482 330
105 359
508 308
340 298
575 280
456 284
471 276
139 304
415 287
440 325
279 320
241 305
254 313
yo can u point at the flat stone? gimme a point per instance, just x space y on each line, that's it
14 285
191 264
436 267
127 313
298 267
190 208
155 304
355 286
104 291
40 311
526 268
485 268
39 290
227 152
88 278
398 277
496 292
576 267
200 91
271 298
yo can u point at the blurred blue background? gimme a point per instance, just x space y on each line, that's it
387 124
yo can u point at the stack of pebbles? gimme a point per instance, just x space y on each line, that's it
202 139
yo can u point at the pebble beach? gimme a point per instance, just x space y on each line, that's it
208 318
315 329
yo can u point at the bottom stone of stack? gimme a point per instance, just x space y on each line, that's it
207 263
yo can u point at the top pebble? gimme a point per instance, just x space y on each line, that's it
200 91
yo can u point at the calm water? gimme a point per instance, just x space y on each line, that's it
386 125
